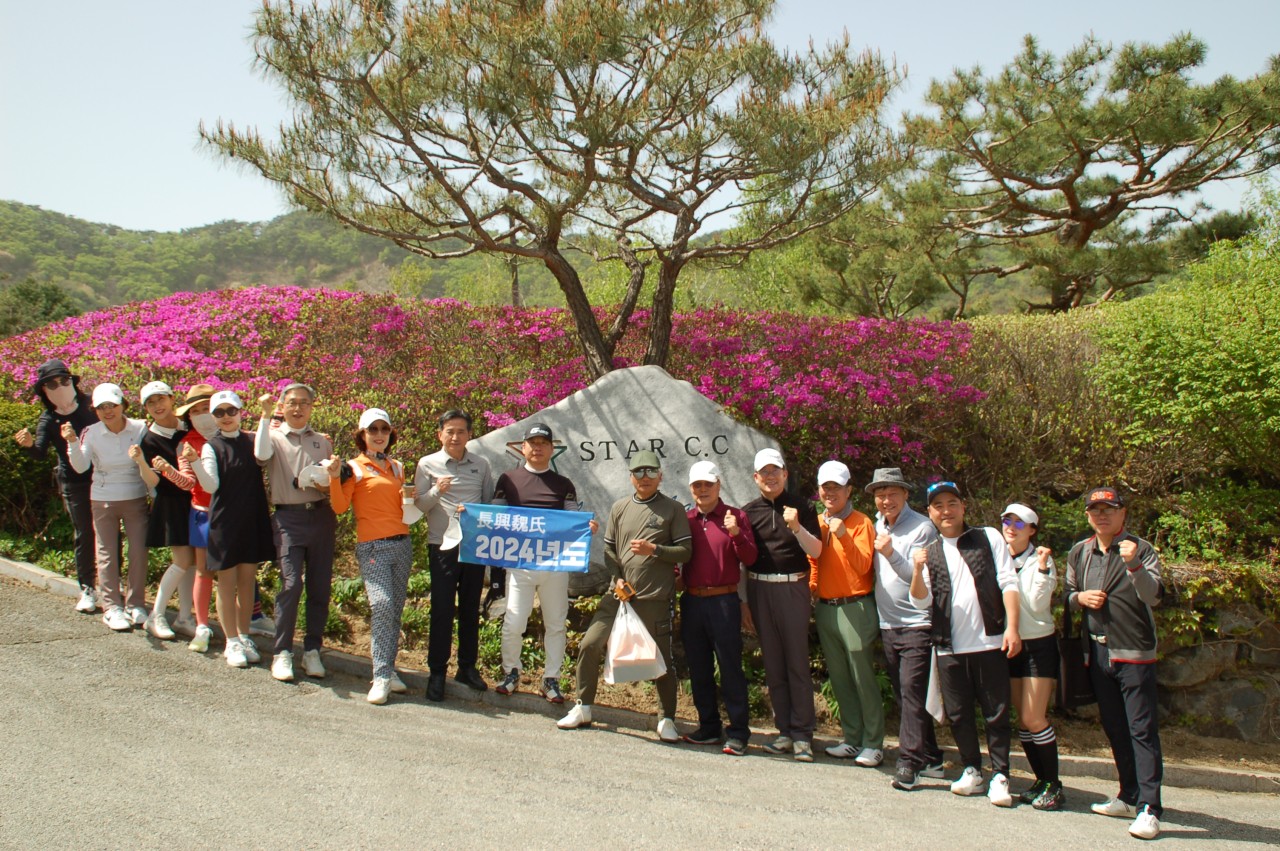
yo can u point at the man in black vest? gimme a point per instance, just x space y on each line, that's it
966 581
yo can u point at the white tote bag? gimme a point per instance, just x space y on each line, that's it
633 654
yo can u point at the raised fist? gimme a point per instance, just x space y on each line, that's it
731 524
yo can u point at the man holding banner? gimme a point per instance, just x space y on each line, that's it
645 542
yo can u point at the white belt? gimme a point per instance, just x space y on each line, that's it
777 577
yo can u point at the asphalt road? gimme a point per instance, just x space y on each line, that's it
114 741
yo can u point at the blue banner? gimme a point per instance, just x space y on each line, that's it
525 538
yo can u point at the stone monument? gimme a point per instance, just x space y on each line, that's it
599 427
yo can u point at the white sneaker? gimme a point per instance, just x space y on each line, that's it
969 783
998 791
667 731
378 694
88 602
159 627
844 750
263 626
138 616
250 650
397 685
937 771
185 625
869 757
1115 808
282 666
234 654
200 641
579 716
1146 825
116 619
312 665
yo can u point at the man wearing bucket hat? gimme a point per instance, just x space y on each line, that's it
843 583
445 480
64 403
1114 577
304 523
646 540
786 530
904 629
712 610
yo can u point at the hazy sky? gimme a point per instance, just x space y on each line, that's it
99 102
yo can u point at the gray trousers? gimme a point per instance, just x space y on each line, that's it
384 566
781 612
306 556
107 517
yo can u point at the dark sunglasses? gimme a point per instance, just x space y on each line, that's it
379 429
223 413
646 472
55 383
1014 522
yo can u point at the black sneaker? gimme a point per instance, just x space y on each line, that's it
1034 792
510 684
551 690
904 778
471 678
702 736
1051 798
435 687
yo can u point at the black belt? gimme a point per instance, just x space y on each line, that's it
302 506
840 601
390 538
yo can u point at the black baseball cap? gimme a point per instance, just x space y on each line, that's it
1104 496
538 430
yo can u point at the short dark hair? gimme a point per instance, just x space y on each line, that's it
453 414
358 437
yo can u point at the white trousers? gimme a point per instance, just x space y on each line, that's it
552 590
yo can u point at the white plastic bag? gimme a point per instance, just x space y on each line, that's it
633 654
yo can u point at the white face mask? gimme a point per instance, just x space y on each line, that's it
63 398
205 424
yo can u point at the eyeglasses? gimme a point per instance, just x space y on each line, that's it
106 406
1014 522
378 429
646 472
1101 510
223 413
298 403
55 383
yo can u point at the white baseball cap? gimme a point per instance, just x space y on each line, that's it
372 415
155 388
107 392
225 397
1022 512
765 457
833 471
704 471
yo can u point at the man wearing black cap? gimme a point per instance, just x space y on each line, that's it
967 583
646 540
1114 577
535 485
59 392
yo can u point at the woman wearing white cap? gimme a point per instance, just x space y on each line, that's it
239 523
372 485
118 495
1033 671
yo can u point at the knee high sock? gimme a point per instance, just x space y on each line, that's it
202 595
186 591
1046 742
1032 750
168 584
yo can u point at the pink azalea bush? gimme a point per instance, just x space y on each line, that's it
868 391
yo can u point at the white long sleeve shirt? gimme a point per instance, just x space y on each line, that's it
115 475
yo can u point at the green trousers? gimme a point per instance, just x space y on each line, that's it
848 634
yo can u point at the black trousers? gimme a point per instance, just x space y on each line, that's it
305 547
455 592
75 498
982 678
711 629
907 654
1127 706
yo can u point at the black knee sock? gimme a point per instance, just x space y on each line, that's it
1046 743
1032 751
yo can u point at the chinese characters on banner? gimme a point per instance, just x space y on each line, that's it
526 538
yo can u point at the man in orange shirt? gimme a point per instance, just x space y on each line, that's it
842 579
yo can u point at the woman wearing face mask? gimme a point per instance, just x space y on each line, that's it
239 523
64 403
119 496
1033 672
200 427
373 485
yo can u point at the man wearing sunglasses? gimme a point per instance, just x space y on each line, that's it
966 581
1114 577
644 544
64 403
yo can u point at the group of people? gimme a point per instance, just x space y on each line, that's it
963 613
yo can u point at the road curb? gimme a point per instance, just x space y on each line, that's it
1175 774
